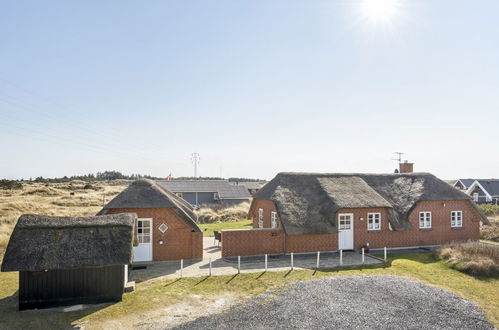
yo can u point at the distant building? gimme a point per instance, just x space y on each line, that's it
67 261
463 184
484 191
199 192
252 186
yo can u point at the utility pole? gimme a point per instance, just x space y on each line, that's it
195 161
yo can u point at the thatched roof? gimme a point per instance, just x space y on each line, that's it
307 202
41 242
145 194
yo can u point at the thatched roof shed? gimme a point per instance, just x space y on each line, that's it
308 202
41 242
144 194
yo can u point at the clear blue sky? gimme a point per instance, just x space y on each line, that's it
256 87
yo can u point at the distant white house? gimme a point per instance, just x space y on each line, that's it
463 184
484 191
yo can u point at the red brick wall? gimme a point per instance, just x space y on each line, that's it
311 243
268 206
179 242
439 233
250 242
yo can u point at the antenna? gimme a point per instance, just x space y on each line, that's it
399 159
195 161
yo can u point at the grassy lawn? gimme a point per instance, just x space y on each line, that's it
208 228
151 294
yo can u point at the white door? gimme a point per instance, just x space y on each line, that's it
345 231
143 252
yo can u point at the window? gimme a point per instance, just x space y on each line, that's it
179 194
345 222
163 228
456 219
475 197
374 221
215 196
273 219
260 218
424 219
144 230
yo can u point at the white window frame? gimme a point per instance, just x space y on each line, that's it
144 233
273 219
456 219
260 218
371 221
425 220
475 197
216 196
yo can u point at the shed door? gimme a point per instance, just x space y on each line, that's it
345 231
143 252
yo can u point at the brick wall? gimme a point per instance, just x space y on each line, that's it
255 242
248 242
311 243
179 242
439 233
268 206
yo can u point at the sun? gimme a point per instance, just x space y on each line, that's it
379 11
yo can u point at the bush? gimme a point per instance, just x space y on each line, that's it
88 186
490 232
217 213
10 184
489 209
474 258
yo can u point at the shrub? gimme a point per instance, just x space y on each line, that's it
490 232
217 213
88 186
10 184
489 209
472 257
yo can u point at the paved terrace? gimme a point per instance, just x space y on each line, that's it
253 264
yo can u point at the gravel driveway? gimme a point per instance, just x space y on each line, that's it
358 302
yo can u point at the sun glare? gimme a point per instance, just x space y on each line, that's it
379 11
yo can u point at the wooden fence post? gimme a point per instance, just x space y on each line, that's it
210 266
239 264
292 261
341 257
385 254
181 268
265 262
363 255
318 258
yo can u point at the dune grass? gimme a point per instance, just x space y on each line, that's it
154 294
61 199
208 228
472 257
220 213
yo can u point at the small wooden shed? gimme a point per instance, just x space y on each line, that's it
70 260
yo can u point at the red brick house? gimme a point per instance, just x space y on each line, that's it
306 212
166 224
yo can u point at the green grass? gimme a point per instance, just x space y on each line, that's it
154 294
208 228
490 242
